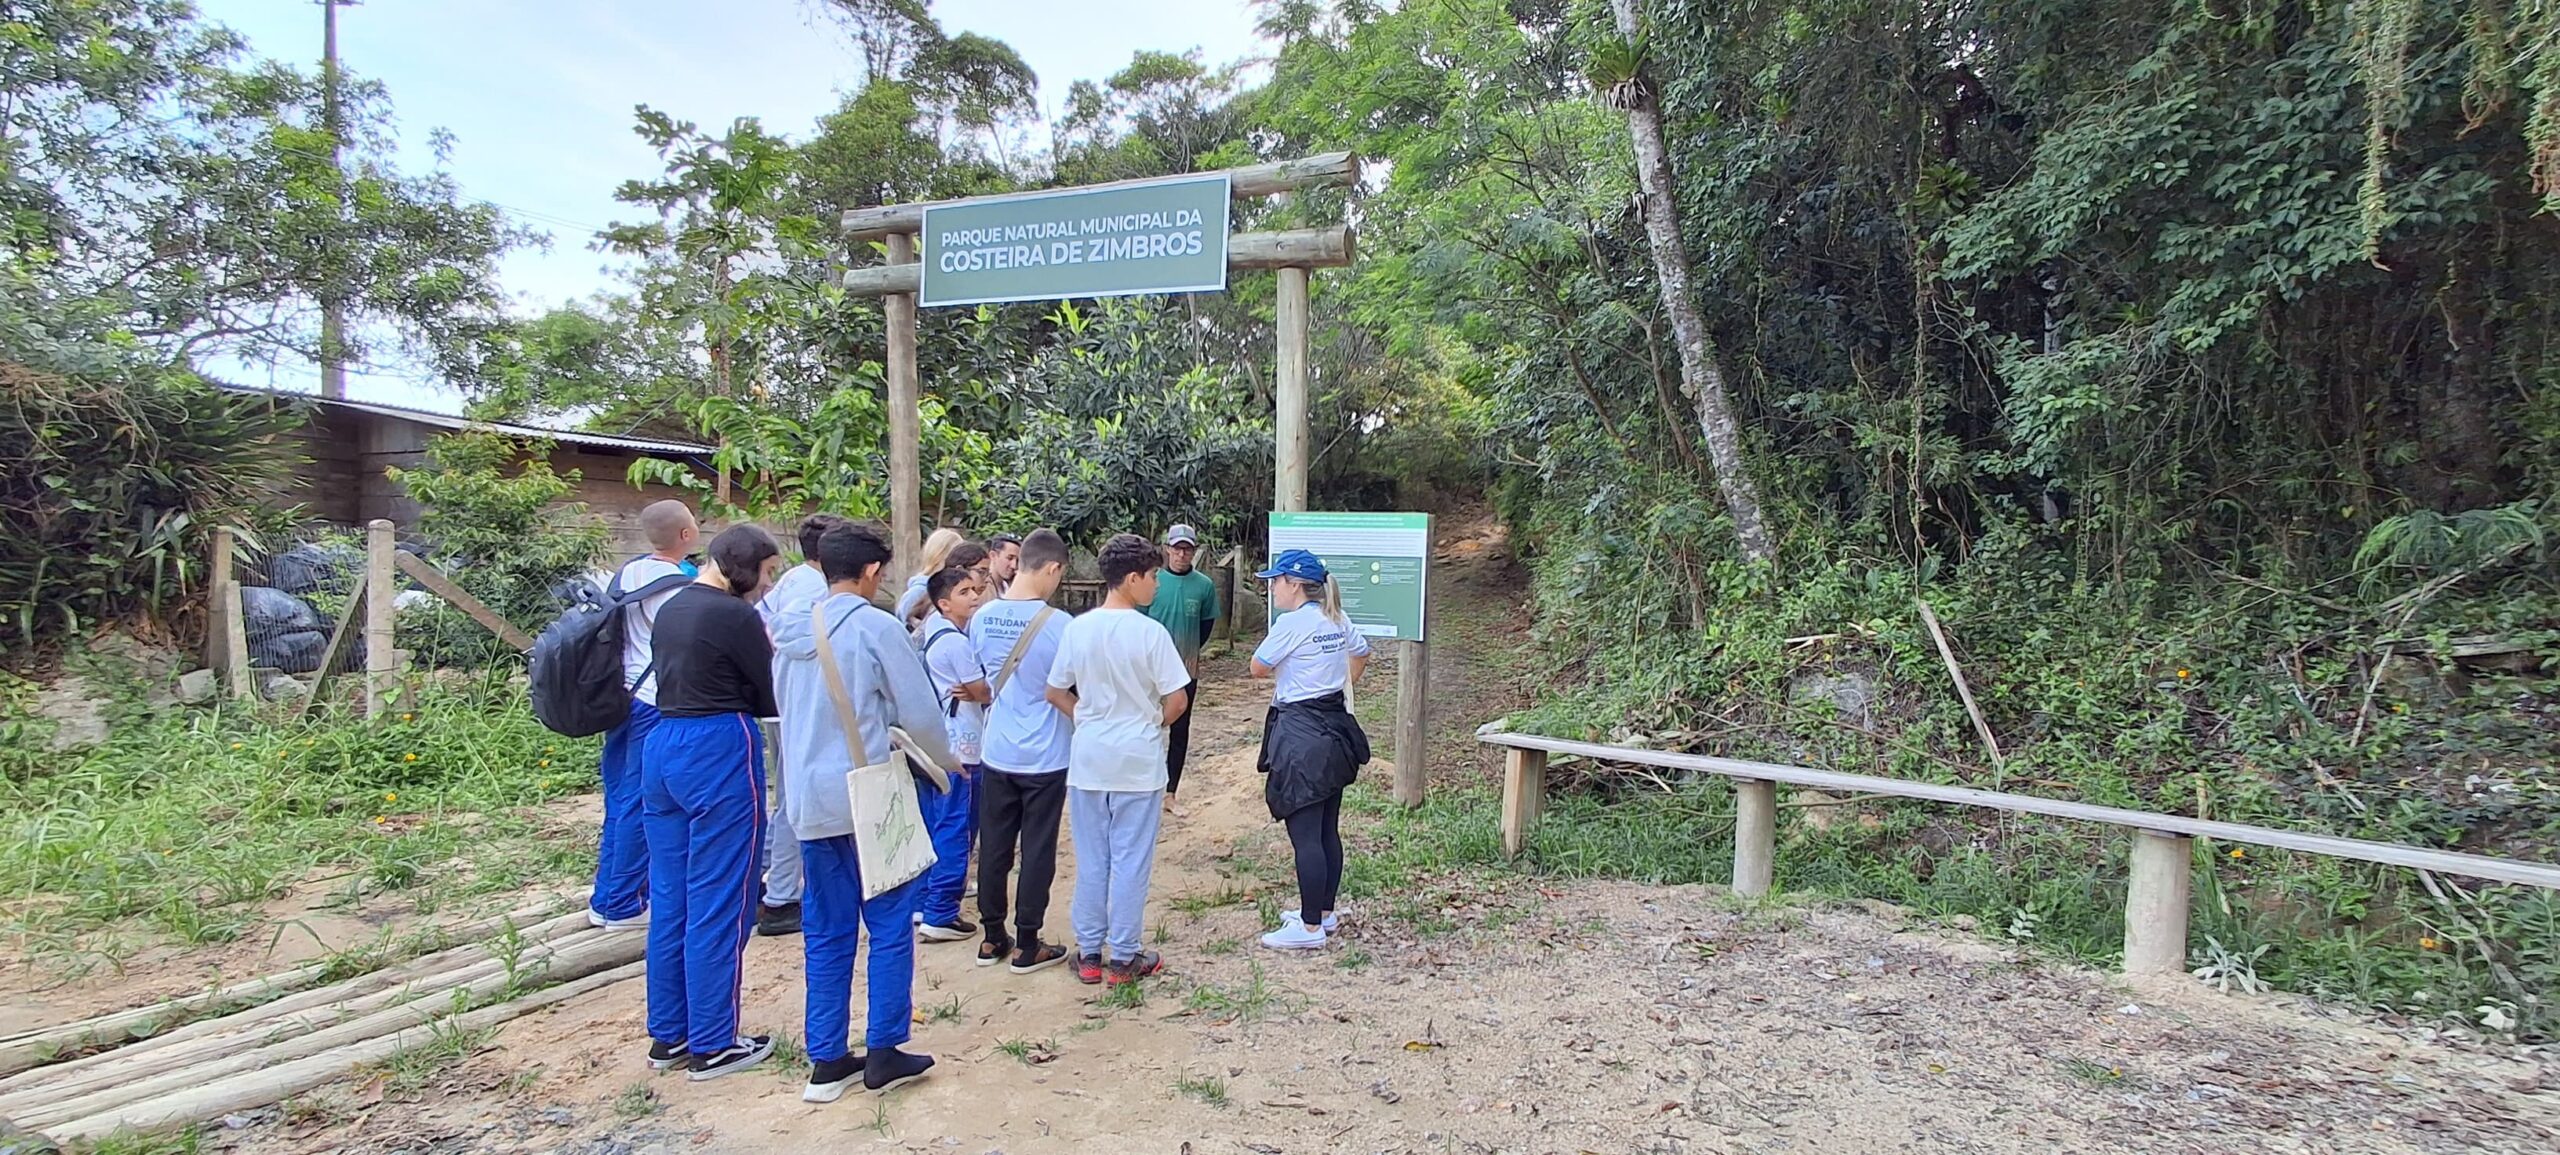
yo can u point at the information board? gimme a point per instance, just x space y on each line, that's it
1165 236
1381 561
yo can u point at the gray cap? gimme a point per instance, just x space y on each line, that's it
1182 535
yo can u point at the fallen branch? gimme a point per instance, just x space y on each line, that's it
256 1089
1947 653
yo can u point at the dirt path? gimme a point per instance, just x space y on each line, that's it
1482 1013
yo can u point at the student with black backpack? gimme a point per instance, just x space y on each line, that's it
620 900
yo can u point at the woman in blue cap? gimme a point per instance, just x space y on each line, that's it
1311 745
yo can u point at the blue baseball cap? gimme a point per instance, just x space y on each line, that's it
1296 563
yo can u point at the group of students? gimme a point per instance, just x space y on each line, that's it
1036 715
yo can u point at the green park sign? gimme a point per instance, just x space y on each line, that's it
1379 559
1165 236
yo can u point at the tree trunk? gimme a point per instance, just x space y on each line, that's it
1700 373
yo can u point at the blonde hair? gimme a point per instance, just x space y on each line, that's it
937 549
1327 599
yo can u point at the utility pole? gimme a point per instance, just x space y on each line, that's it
333 320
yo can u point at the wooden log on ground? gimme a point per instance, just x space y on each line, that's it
254 1089
311 1011
33 1048
1253 180
125 1066
575 960
1331 247
336 651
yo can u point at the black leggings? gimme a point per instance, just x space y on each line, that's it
1315 833
1177 747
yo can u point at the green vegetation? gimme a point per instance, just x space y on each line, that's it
1250 1003
415 1067
1207 1089
637 1101
184 823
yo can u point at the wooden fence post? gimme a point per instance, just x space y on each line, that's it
2155 906
226 633
1755 836
381 660
1289 434
906 425
1412 692
1524 796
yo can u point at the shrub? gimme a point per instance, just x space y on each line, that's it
491 514
113 471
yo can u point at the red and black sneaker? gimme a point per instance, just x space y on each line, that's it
1089 969
1130 970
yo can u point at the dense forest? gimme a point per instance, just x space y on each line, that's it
2198 361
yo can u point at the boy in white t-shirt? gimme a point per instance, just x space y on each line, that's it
954 595
1120 677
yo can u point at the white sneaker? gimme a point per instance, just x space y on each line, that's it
1294 934
638 921
1332 919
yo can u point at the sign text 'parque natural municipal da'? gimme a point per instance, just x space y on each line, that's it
1161 237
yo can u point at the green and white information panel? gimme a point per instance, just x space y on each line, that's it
1379 559
1165 236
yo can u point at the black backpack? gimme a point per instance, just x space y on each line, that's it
576 664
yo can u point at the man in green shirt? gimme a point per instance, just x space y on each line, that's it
1187 606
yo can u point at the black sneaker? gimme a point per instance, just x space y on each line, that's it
887 1068
831 1079
744 1053
1037 956
994 949
777 921
667 1056
956 930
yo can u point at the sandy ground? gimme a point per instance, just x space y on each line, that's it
1527 1017
1582 1018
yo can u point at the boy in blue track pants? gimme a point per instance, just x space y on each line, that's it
702 782
887 686
620 900
961 684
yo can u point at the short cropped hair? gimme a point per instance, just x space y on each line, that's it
1128 555
945 580
1044 548
664 523
849 551
741 551
815 527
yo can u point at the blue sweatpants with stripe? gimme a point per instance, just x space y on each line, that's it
622 858
833 918
953 820
703 781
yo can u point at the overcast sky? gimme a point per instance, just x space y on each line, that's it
538 95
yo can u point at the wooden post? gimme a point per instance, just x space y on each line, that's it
1412 687
906 424
381 660
1524 796
2155 906
1289 419
226 632
1755 835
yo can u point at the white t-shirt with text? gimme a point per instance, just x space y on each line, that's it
953 661
1025 735
1310 654
1121 664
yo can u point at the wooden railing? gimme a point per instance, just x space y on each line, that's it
2155 923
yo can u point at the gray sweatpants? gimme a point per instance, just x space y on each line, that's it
1115 835
781 847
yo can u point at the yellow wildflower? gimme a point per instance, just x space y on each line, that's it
2183 672
2428 943
235 745
408 757
2236 852
389 797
